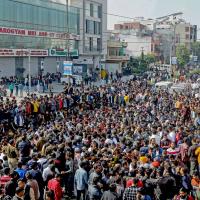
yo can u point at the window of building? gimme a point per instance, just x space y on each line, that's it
187 29
91 44
99 12
95 11
91 10
97 28
87 44
87 26
90 27
94 44
87 9
98 44
187 36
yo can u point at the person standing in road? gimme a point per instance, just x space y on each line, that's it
20 86
81 181
11 88
16 88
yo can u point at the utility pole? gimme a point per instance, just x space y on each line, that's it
68 32
29 71
142 54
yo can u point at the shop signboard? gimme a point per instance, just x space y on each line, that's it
78 70
67 68
23 52
63 53
38 33
195 58
174 60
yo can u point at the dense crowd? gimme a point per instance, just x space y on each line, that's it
121 141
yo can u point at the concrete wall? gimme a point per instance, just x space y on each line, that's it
7 67
113 67
136 43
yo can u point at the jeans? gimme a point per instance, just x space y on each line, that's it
79 194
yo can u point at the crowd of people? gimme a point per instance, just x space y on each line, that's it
120 141
17 86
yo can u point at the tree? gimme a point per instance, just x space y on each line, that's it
133 62
183 55
150 58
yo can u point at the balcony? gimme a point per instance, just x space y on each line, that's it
117 44
117 58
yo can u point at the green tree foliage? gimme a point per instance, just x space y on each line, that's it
150 58
140 64
183 55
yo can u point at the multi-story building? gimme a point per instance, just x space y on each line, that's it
186 34
140 37
174 30
93 32
39 29
117 57
50 31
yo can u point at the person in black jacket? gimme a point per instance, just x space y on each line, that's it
24 148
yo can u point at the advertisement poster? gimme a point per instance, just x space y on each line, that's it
67 68
78 70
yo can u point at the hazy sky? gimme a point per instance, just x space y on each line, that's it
153 9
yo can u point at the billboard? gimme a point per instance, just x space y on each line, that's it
67 68
78 70
23 52
63 53
38 33
174 60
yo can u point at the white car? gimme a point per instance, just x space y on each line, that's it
163 85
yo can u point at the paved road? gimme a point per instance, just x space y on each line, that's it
58 88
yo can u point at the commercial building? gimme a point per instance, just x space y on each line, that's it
49 31
93 33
